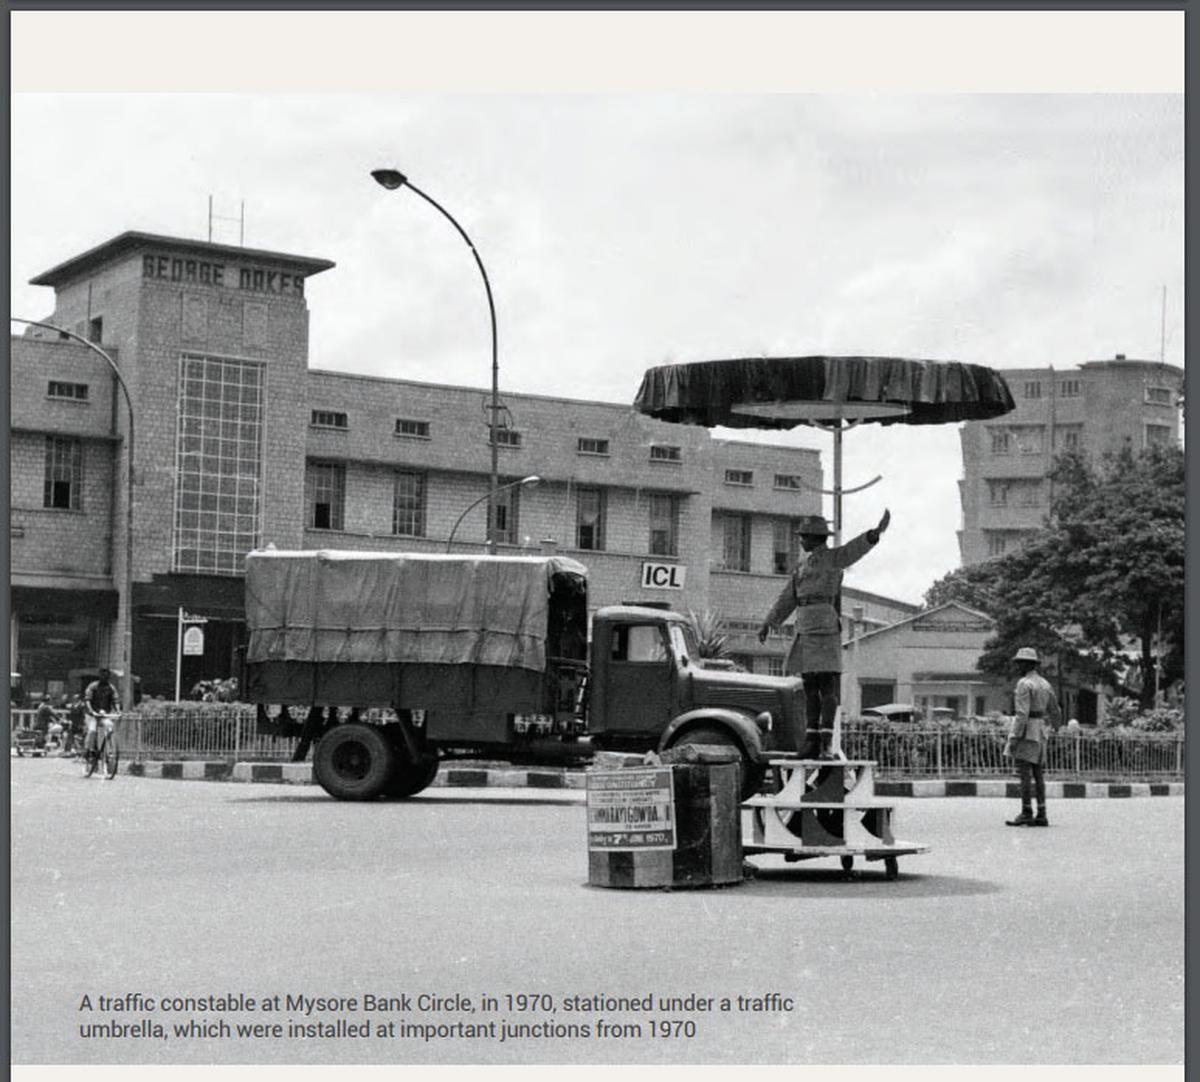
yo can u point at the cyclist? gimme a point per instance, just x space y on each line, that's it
99 698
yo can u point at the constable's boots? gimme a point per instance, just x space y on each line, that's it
811 748
1025 819
826 745
1040 819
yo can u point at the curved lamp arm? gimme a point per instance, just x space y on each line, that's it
533 479
393 179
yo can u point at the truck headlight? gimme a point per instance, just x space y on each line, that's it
765 721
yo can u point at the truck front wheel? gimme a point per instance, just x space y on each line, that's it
408 779
750 775
353 761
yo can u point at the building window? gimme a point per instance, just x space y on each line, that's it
664 525
328 419
771 666
417 430
1001 441
786 548
218 464
96 329
1069 437
325 495
739 477
1031 439
75 392
998 543
1033 388
662 452
408 504
64 474
507 507
1158 435
1070 388
1160 396
736 542
1029 494
589 519
998 493
508 437
589 445
788 480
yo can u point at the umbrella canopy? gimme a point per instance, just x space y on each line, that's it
782 392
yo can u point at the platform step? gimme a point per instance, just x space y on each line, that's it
770 802
814 763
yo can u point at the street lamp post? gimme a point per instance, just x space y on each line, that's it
393 179
531 480
126 600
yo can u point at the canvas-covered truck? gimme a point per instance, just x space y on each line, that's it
399 662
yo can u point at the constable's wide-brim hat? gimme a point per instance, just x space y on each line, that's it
812 526
1026 653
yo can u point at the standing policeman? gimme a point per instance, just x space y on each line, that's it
812 592
1033 702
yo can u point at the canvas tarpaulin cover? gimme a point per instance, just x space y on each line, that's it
327 606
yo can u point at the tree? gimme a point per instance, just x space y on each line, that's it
1105 572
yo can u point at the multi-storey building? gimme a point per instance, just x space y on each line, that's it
1095 407
239 444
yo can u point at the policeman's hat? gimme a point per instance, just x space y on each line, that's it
812 526
1026 653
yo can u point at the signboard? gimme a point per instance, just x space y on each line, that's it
663 576
193 641
631 809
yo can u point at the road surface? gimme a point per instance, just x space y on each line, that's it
1000 945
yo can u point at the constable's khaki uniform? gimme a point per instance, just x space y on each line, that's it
812 593
1034 702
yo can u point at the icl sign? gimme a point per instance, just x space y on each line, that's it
663 576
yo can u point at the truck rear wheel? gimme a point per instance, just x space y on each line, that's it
408 779
353 762
750 775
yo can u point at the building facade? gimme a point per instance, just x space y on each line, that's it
927 660
1095 407
239 444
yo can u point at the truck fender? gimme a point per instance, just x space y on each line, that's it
742 726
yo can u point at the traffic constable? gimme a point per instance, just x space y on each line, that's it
812 592
1034 703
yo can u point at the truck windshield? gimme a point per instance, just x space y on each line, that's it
683 642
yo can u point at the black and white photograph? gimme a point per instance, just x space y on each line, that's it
597 538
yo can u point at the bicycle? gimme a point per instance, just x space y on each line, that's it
107 751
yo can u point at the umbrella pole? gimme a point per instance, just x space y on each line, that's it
837 483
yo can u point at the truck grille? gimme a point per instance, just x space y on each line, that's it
754 700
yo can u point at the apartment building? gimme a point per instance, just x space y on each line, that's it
1094 407
241 444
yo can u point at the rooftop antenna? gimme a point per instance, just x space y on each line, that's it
241 220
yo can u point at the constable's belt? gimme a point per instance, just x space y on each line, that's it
814 601
1037 713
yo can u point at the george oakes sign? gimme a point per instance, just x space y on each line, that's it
209 273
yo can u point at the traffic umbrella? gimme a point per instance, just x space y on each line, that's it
832 393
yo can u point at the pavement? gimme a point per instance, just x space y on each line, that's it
509 777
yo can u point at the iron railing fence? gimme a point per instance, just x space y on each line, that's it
972 752
900 750
216 733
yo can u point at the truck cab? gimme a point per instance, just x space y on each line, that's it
650 688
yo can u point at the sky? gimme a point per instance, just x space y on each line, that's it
622 230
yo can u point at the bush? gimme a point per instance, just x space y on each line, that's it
216 691
1122 712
